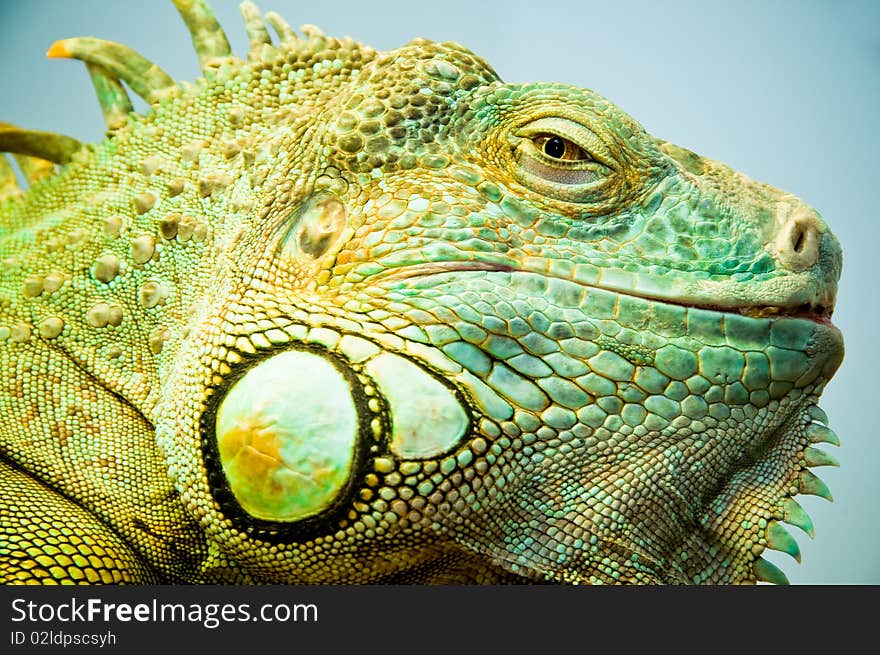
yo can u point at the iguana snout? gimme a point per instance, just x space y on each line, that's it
799 278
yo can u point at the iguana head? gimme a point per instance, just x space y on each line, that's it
450 328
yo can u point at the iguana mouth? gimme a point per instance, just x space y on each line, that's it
817 312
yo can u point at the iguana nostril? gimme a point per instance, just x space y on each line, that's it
798 239
797 243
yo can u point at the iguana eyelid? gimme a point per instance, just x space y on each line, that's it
580 173
572 185
574 181
528 148
565 128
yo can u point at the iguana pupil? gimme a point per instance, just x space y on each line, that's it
554 147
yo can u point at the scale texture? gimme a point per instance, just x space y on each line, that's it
333 315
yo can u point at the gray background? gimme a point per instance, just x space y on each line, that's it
786 92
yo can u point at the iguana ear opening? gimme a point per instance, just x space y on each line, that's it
315 229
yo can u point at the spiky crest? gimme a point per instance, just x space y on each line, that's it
110 64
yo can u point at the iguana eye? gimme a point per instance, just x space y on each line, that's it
561 158
556 147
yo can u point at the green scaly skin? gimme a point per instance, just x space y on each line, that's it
337 315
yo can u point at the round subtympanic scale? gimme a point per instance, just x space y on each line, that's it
287 436
427 419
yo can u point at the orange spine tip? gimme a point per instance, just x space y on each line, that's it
58 50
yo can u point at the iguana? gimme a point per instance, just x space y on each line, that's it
333 315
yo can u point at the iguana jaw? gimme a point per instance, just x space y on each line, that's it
747 494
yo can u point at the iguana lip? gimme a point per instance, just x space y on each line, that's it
816 312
